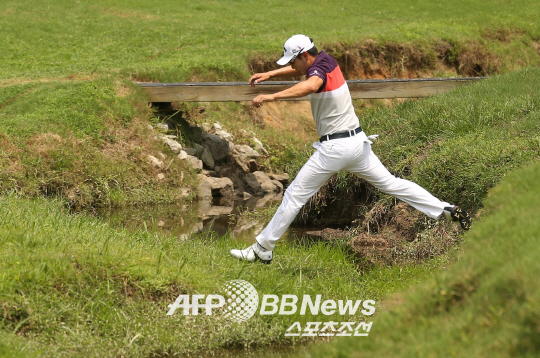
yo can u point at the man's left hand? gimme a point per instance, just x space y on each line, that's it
258 101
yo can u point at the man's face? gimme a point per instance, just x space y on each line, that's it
300 64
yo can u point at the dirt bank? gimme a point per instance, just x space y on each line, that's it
392 235
372 60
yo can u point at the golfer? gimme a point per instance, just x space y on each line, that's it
342 146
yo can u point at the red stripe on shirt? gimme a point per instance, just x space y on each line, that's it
334 80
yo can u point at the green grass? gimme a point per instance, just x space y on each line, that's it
73 126
175 40
73 286
78 108
485 304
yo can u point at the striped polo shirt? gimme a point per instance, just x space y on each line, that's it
331 105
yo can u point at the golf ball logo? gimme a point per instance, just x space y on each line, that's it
241 300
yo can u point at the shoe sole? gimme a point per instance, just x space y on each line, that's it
463 217
266 262
257 259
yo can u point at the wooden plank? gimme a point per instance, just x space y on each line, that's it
241 91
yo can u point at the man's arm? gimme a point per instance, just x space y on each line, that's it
287 72
311 85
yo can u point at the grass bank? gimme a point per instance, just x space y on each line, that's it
486 304
87 142
71 286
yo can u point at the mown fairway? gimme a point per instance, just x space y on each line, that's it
174 40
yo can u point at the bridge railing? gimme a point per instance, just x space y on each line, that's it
241 91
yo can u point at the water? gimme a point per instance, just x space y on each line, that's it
185 220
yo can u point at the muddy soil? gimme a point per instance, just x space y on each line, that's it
402 235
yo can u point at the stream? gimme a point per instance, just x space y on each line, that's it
183 221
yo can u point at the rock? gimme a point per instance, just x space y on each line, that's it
209 173
330 234
218 147
225 135
196 134
219 210
198 149
161 176
206 157
217 126
240 163
174 145
282 178
261 203
237 181
268 186
207 127
259 146
252 165
224 171
196 163
182 155
259 182
210 187
278 185
191 151
155 161
162 156
246 150
185 192
246 195
162 127
204 190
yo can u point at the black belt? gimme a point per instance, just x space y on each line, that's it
341 134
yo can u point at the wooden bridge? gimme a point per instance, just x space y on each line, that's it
241 91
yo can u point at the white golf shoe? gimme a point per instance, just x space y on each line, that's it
254 253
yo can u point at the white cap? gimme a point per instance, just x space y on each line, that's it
295 46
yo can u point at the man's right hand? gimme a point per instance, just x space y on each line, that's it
258 77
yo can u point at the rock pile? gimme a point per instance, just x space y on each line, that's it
228 171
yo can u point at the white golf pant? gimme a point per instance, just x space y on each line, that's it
352 154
